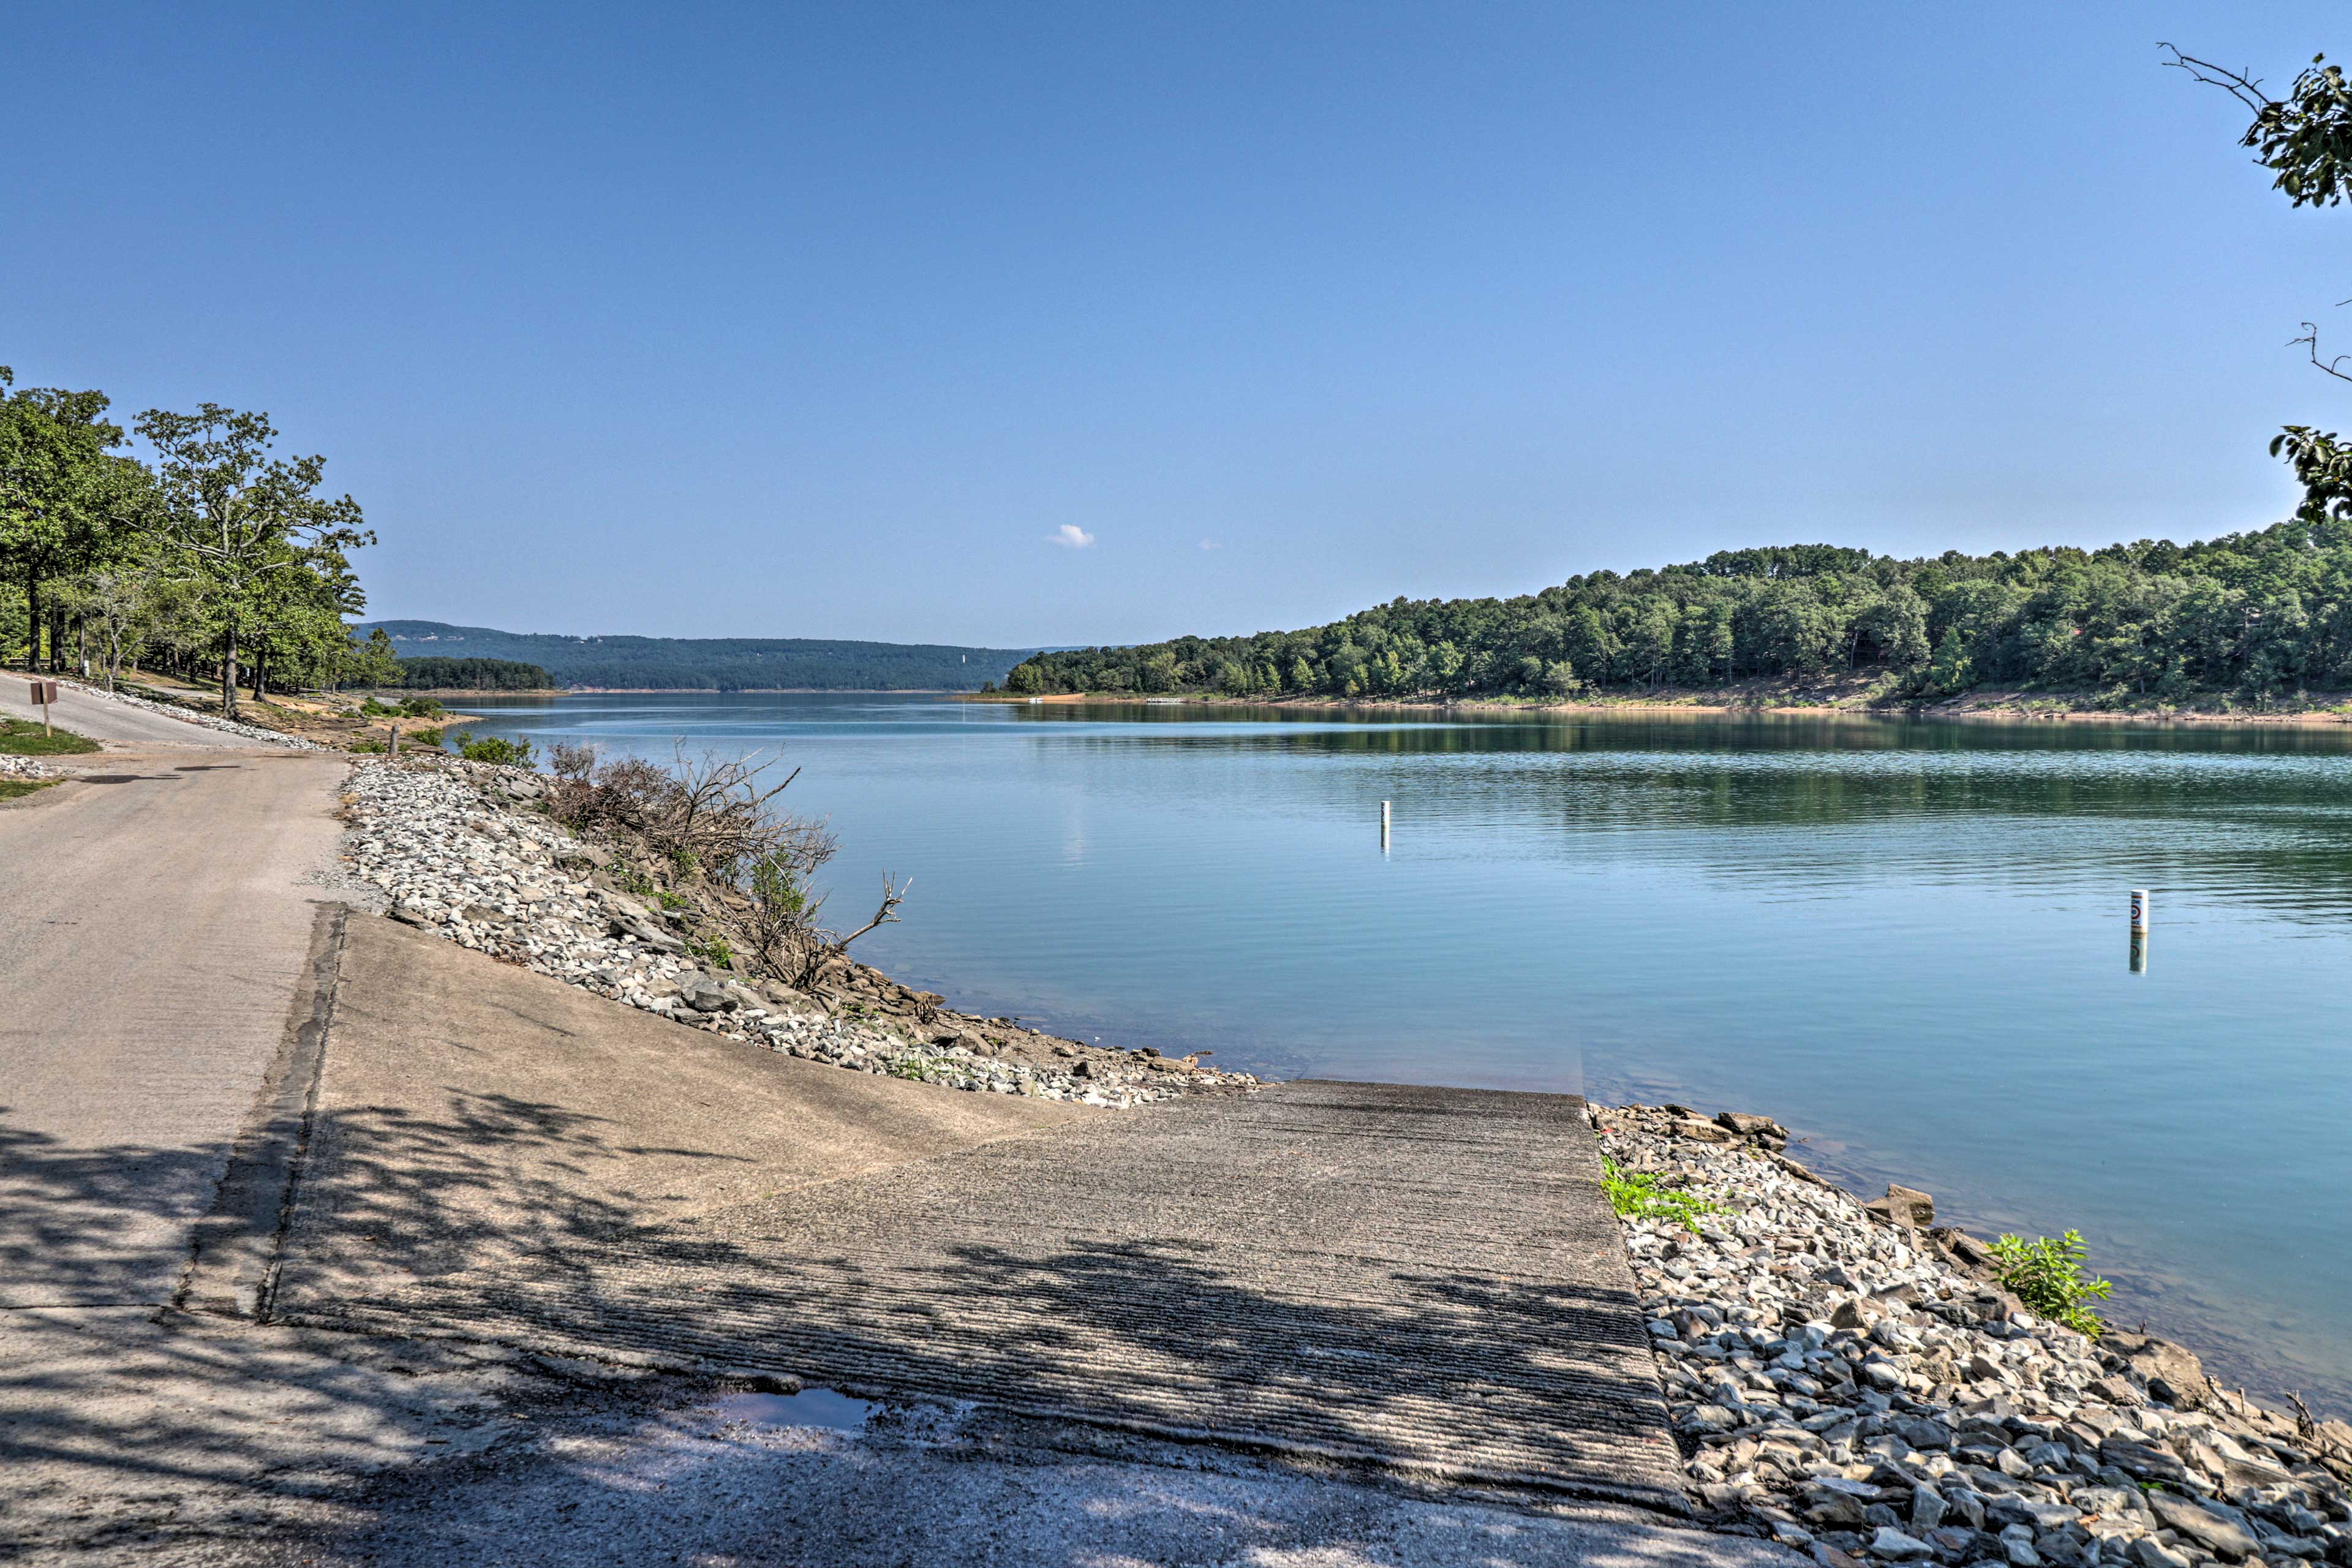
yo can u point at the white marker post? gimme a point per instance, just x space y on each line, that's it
2140 912
1384 825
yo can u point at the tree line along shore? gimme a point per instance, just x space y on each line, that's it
2261 619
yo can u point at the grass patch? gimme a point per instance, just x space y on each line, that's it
17 789
1638 1195
23 737
2046 1274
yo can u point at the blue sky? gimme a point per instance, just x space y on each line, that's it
853 320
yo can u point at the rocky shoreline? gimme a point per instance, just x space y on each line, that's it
1853 1381
464 850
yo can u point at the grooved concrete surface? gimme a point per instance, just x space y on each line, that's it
1427 1281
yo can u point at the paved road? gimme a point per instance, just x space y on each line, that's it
102 721
154 921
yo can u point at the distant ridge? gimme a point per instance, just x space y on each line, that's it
712 664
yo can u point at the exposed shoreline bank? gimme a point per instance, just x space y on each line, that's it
1852 1381
468 851
668 691
1989 708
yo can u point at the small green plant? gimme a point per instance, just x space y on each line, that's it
1637 1195
712 951
2046 1274
367 746
376 709
431 736
422 708
493 749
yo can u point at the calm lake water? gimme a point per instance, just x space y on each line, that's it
1905 940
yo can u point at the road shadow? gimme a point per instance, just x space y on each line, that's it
1179 1304
497 1221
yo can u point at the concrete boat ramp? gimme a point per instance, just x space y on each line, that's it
491 1256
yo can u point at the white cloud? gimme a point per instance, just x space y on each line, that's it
1070 536
1211 544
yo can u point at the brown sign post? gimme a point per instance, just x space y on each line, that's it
45 693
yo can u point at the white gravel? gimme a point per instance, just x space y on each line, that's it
449 859
1853 1386
196 716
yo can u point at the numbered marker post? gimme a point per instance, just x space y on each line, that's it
1384 825
2140 912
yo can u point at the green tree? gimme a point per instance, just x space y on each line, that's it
60 494
240 520
2305 141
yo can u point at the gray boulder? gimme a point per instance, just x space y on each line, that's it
2225 1539
1905 1206
2171 1372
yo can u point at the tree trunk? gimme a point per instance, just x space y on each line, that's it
260 658
228 674
32 621
56 639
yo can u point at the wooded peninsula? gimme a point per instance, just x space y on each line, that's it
2264 615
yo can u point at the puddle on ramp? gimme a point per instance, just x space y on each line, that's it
809 1408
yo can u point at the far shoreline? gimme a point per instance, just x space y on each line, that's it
2001 708
670 691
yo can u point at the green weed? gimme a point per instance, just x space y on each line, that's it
493 749
2046 1274
1637 1195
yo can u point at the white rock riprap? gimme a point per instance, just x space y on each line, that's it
198 716
16 767
447 857
1854 1387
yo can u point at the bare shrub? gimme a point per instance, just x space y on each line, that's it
712 814
717 816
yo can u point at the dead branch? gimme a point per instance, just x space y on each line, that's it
887 915
2245 88
2310 338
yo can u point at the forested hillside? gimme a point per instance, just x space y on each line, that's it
2265 613
709 664
471 675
